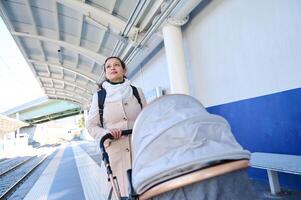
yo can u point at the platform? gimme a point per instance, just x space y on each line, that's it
72 174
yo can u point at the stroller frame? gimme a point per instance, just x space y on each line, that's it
169 185
106 160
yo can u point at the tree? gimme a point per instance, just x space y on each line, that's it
81 122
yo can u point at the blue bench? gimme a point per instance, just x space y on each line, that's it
274 163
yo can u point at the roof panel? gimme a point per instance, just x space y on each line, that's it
98 69
58 84
92 33
54 70
69 25
44 18
57 75
69 56
30 45
125 8
50 50
93 46
108 44
65 11
40 68
17 11
22 27
45 5
101 4
42 74
84 63
85 32
69 78
46 32
72 39
69 87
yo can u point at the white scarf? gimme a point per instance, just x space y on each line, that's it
117 92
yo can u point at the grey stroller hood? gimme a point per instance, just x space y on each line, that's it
175 135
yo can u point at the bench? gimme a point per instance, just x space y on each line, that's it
274 163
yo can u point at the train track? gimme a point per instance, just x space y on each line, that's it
14 166
12 178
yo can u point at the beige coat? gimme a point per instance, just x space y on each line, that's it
116 115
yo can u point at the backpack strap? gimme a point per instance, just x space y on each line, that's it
136 94
101 100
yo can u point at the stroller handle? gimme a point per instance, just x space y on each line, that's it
109 136
105 158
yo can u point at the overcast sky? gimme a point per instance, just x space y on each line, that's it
17 82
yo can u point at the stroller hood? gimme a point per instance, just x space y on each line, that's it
175 135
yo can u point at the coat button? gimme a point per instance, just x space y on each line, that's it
127 149
125 119
125 103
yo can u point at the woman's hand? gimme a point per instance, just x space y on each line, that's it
116 133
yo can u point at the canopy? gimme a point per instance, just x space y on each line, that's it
8 124
175 135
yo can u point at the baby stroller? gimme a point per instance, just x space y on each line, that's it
180 151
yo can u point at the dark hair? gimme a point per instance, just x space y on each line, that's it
108 58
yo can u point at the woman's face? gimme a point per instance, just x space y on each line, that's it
114 71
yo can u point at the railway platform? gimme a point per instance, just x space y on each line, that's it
74 171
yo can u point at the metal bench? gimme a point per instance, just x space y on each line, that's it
274 163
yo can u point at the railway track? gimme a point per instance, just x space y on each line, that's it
12 178
12 165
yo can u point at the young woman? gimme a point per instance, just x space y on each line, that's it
120 110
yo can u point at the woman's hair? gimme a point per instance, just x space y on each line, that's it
108 58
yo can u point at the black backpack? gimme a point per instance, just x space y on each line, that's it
102 96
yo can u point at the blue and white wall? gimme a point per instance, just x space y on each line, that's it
244 63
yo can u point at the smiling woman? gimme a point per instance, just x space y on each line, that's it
122 103
17 83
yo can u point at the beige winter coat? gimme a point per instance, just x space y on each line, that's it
116 115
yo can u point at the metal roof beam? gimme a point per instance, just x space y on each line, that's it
57 91
64 66
150 14
111 9
67 92
101 40
91 54
61 97
58 35
28 6
57 24
80 30
66 82
108 20
67 96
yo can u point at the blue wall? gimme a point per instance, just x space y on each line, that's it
270 123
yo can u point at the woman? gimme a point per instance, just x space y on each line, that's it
120 110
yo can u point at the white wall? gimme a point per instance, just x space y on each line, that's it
236 50
153 74
242 49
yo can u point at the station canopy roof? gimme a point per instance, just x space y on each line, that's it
8 124
65 42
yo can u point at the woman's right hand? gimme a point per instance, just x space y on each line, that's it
116 133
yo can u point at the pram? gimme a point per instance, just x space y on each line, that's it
180 151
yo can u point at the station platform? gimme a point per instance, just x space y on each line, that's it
74 173
71 174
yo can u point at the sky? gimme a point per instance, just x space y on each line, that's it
18 84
